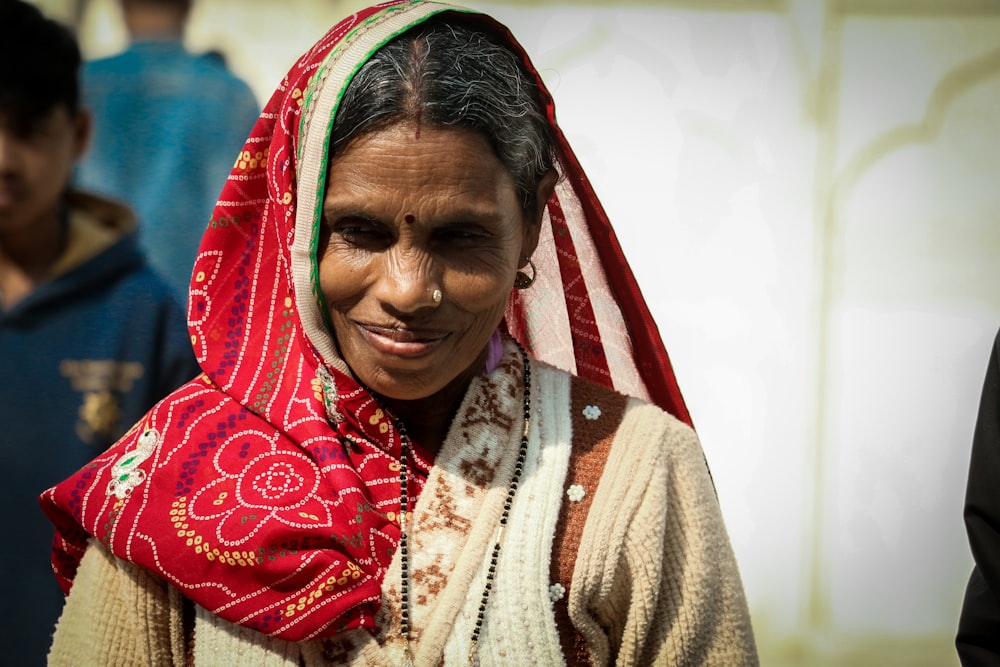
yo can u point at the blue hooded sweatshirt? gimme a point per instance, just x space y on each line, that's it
82 358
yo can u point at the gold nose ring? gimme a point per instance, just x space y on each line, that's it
437 296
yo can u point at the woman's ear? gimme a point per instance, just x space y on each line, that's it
533 225
546 186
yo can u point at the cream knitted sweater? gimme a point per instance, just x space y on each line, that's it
615 553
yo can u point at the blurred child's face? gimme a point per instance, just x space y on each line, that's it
36 162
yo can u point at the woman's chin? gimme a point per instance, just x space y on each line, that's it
409 386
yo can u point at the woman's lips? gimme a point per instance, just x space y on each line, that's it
402 342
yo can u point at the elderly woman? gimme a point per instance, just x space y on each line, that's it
407 446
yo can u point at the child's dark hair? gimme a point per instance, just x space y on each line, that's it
39 64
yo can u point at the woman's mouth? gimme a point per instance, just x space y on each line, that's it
401 342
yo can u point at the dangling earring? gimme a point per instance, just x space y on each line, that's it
522 280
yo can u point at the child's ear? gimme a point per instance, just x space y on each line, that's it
83 126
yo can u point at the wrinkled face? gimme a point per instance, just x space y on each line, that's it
36 160
408 212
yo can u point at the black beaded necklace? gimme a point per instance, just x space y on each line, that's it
404 508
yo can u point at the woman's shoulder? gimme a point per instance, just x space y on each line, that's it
598 407
187 407
162 442
189 424
150 472
615 441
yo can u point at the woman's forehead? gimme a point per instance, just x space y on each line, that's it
417 168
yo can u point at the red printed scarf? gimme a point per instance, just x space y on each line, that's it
267 490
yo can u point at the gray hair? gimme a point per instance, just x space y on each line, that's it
453 75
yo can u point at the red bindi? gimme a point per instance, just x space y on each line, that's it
409 219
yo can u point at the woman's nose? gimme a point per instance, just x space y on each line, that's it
408 281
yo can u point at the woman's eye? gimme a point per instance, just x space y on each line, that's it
461 235
354 230
361 232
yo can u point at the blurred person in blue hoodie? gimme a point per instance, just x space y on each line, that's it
167 123
90 336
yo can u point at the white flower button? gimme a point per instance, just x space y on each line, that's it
556 592
591 412
576 493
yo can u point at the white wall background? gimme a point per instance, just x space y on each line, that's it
807 192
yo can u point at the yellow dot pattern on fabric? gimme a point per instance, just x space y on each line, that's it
379 419
201 546
249 161
350 573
